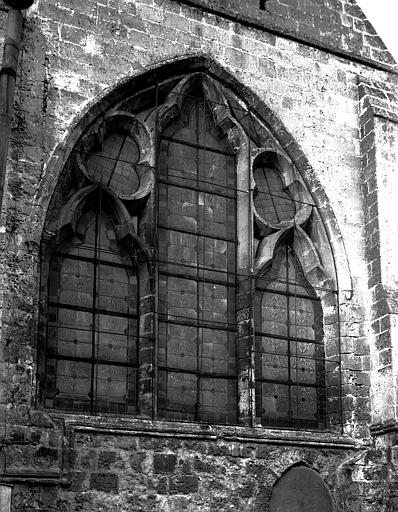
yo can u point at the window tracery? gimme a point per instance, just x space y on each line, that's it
234 275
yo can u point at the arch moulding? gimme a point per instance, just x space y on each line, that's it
98 110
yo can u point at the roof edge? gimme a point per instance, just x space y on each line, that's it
259 21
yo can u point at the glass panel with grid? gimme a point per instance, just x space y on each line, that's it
115 166
289 360
271 199
92 323
197 378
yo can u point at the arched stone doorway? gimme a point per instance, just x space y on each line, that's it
301 489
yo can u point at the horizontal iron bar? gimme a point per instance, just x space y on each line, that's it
94 260
288 293
187 232
186 321
91 360
291 383
197 146
199 279
96 311
197 373
287 338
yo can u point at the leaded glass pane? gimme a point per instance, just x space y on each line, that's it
304 403
178 252
76 282
178 298
272 358
273 403
213 212
274 314
178 346
177 395
271 200
217 352
181 163
73 385
112 344
217 403
303 362
213 303
113 166
302 318
217 258
69 332
214 171
115 388
113 288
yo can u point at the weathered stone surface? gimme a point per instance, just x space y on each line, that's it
104 482
164 462
334 25
80 58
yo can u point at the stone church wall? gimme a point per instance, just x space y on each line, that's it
74 55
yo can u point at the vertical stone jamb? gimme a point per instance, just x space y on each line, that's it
244 302
147 395
375 107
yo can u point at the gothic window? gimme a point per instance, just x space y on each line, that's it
186 270
289 364
289 350
197 260
92 329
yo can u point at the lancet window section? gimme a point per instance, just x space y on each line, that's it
289 339
289 362
197 270
92 329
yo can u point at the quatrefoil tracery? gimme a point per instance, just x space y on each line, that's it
116 155
282 208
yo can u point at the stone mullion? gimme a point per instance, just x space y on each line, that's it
147 275
245 351
244 298
146 374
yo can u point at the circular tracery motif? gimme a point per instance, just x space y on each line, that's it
115 166
271 200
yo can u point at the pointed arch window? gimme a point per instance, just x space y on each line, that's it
197 270
197 279
92 328
289 352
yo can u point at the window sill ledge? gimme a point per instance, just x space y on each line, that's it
203 432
